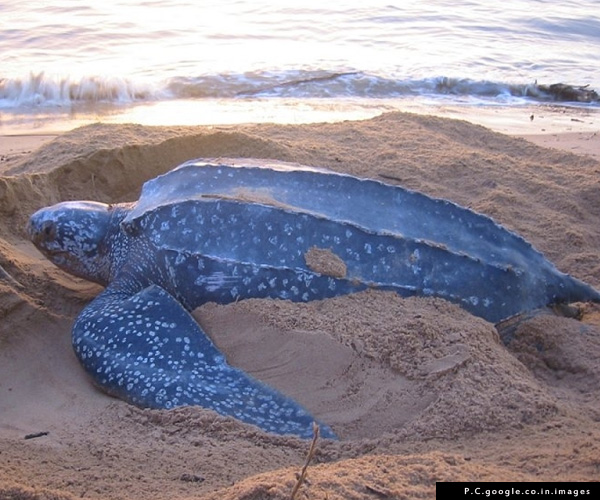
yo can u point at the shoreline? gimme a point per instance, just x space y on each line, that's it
575 129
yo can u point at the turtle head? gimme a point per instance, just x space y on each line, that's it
73 236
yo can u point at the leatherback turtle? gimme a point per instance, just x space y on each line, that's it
222 231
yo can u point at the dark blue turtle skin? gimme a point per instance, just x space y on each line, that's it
215 231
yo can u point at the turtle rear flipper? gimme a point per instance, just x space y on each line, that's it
507 328
147 349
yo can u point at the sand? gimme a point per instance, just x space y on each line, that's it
418 390
580 143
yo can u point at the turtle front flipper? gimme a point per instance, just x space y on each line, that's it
147 349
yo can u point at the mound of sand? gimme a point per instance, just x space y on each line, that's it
417 389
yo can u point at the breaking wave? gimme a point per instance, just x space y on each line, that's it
40 90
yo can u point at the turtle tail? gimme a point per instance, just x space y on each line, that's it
569 289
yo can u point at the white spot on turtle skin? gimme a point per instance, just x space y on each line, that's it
216 281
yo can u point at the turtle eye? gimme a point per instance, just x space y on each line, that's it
48 230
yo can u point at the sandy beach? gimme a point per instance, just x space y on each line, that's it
417 389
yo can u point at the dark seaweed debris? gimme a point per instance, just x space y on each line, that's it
563 92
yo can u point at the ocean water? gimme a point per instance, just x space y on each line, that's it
232 61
